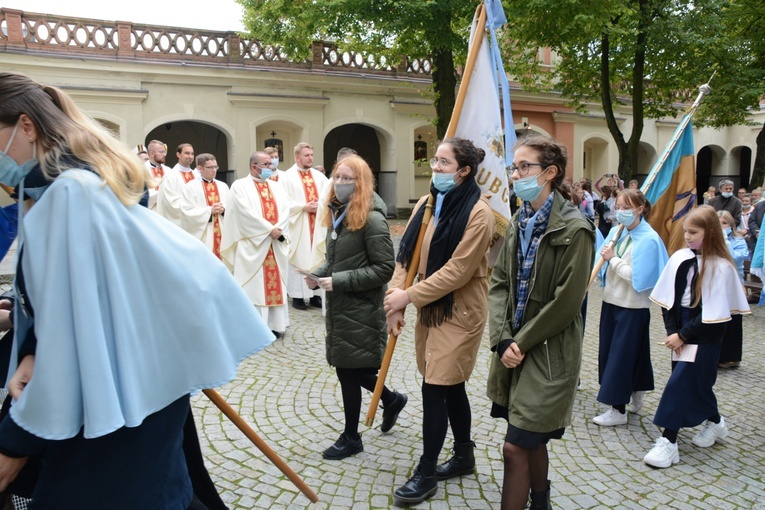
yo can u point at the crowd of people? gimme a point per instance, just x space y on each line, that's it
99 378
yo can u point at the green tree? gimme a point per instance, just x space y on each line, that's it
648 56
437 29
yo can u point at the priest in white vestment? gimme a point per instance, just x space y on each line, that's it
156 167
255 244
305 187
202 204
171 189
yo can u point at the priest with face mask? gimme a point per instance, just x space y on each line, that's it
255 240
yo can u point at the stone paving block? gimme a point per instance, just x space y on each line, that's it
294 404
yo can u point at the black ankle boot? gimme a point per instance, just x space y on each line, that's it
541 500
420 486
461 463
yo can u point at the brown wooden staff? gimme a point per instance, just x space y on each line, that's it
458 104
277 461
413 265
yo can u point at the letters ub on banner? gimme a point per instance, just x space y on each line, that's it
481 122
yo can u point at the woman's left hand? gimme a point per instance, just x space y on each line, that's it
607 253
325 283
395 300
674 342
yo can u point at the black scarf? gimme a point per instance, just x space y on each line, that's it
454 215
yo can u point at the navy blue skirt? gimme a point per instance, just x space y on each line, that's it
689 398
624 356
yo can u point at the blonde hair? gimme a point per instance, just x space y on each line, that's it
728 217
713 245
302 145
361 201
65 131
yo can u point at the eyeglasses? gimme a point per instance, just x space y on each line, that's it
343 180
443 162
523 168
211 167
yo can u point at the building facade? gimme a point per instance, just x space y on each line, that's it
230 96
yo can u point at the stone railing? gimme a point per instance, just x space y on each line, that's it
25 32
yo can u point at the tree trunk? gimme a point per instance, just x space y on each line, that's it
444 84
759 161
608 107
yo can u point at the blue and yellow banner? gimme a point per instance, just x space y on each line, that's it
672 193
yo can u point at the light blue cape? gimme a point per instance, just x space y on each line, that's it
131 313
649 256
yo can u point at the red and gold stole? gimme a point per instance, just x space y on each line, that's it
271 276
212 197
311 193
188 176
157 172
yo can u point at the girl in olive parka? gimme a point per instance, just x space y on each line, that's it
535 295
359 263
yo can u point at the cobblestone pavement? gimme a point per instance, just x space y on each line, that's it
292 399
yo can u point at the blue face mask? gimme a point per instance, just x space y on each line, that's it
11 173
727 194
266 173
443 182
727 231
626 218
275 162
528 188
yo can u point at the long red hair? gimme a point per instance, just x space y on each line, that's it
361 201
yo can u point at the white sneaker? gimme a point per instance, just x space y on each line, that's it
610 418
710 433
636 404
663 454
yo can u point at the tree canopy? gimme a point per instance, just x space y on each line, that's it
438 29
646 55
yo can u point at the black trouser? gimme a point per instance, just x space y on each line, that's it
442 406
351 382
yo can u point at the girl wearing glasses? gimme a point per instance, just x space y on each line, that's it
451 300
632 267
535 324
359 262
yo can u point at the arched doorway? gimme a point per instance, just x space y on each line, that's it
646 158
203 137
741 163
359 137
595 158
709 169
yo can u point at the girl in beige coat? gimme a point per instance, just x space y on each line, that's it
451 300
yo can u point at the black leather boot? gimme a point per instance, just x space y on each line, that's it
420 486
461 463
541 500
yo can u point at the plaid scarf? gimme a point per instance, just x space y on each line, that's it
525 264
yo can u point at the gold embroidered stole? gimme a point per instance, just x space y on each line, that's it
213 197
271 276
311 193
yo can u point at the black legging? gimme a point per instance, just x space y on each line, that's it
351 382
442 406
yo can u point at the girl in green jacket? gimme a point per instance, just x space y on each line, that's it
535 296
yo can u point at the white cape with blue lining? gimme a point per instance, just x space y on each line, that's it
131 313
